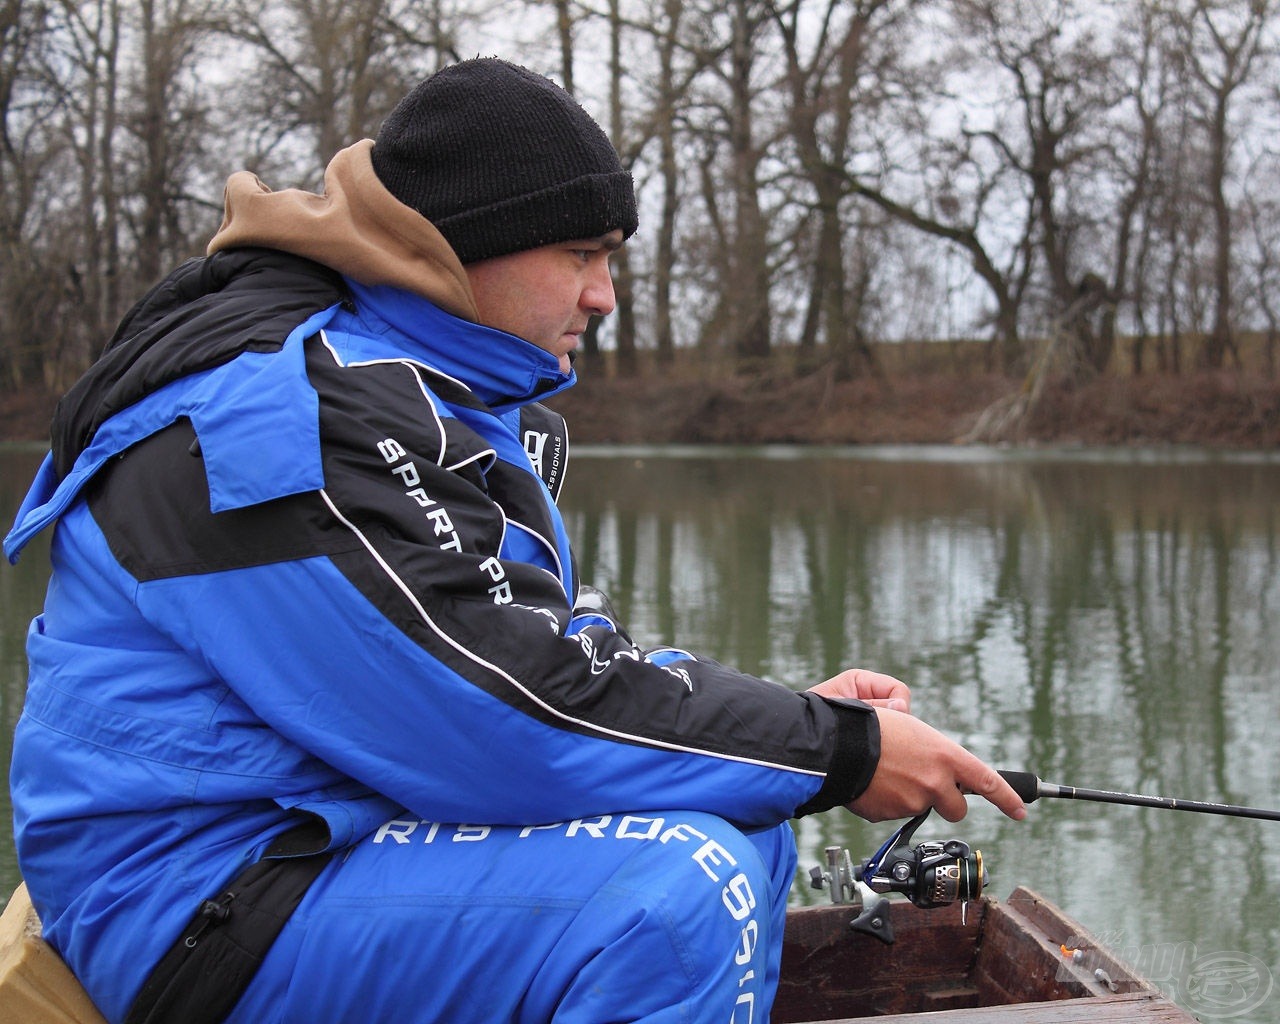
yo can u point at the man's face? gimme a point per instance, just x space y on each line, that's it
547 295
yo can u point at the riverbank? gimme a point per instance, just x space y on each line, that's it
1225 410
1213 410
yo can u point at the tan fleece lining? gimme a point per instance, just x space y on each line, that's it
356 227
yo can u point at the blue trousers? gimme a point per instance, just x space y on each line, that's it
659 917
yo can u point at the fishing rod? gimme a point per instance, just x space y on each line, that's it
1029 787
935 874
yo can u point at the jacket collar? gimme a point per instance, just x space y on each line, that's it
501 369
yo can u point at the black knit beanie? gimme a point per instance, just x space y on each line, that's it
500 160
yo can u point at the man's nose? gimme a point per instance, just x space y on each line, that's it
598 295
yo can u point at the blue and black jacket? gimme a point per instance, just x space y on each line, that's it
304 567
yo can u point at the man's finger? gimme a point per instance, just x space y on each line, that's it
988 784
952 807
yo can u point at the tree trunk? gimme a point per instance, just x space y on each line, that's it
625 334
748 285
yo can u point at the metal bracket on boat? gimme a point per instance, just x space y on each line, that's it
846 888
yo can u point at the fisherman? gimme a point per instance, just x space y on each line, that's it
321 724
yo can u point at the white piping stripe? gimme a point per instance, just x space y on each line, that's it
412 367
516 684
490 455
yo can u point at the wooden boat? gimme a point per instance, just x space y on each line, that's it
997 962
1015 961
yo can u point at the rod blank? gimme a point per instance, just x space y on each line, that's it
1029 787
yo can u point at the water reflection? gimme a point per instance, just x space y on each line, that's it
21 595
1102 620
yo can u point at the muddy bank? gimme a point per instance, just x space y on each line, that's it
1216 410
1221 410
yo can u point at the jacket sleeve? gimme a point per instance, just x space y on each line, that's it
408 630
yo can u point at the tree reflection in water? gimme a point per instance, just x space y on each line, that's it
1104 620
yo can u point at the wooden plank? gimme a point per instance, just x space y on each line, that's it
1137 1008
1021 962
829 969
35 985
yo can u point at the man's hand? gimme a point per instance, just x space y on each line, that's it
920 769
874 688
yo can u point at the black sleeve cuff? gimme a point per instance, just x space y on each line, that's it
854 760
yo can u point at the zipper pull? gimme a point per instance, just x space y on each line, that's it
211 913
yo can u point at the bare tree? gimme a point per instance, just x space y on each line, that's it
1088 162
843 72
1261 266
1222 47
83 81
668 90
925 165
1149 85
326 72
170 132
28 291
1056 59
731 186
748 282
565 20
624 280
568 17
656 117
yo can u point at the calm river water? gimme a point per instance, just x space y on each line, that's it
1104 620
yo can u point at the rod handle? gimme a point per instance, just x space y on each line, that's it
1025 784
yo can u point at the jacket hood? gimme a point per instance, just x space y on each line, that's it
355 227
203 315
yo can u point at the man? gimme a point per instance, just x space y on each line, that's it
314 729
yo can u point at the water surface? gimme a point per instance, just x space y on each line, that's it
1103 619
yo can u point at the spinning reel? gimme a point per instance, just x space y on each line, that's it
930 874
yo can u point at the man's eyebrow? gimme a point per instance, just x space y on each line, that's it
611 242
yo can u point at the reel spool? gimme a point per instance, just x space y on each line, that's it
932 874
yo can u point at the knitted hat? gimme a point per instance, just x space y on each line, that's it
501 160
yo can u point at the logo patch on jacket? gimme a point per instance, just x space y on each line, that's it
546 442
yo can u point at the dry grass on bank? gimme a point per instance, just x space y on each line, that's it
1222 409
25 415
